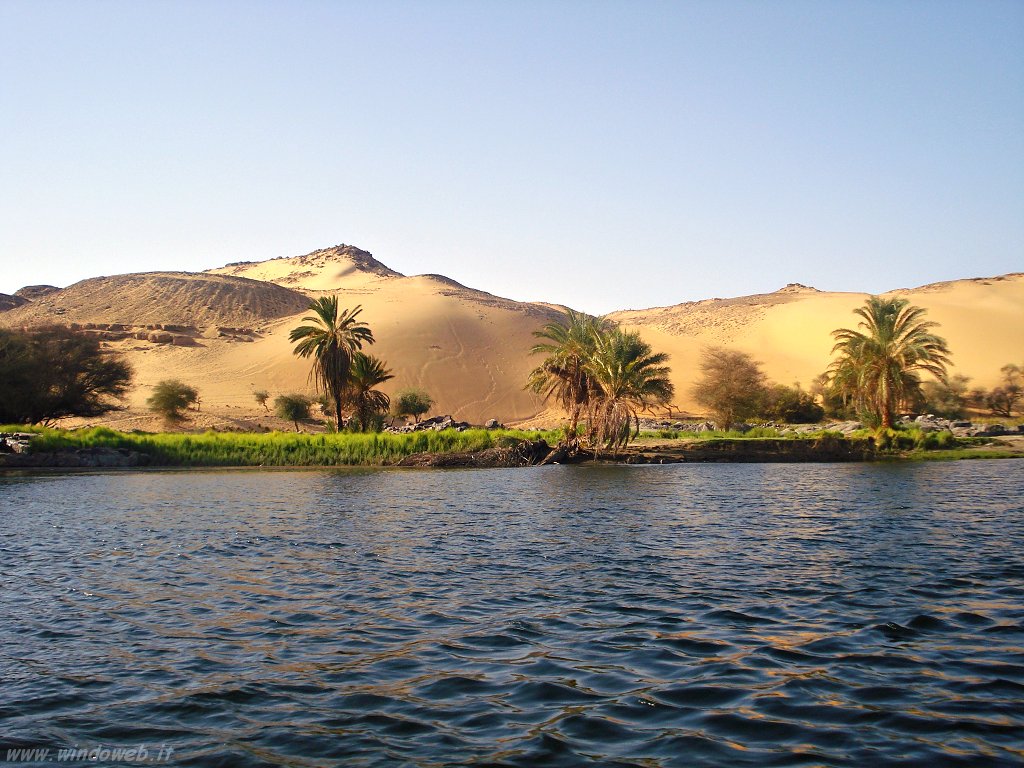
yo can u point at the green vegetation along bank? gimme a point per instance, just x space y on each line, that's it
103 447
100 447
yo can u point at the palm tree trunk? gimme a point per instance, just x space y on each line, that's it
886 409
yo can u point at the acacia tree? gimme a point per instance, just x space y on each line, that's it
294 408
946 399
1003 399
412 402
331 341
879 365
51 372
732 386
367 402
563 375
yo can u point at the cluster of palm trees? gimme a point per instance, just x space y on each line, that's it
600 374
341 370
604 376
879 364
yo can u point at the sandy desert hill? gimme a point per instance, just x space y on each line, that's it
225 331
789 331
468 348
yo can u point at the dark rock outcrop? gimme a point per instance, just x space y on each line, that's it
524 453
435 423
10 302
823 449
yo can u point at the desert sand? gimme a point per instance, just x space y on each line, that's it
225 332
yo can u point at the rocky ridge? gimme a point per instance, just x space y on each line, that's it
152 298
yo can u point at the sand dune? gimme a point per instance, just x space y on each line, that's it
469 348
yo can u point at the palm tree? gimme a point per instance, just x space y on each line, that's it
563 376
878 365
367 373
626 377
332 341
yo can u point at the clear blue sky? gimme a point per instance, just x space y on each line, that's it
600 154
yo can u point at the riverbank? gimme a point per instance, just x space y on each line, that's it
102 448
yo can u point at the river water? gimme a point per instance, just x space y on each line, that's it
683 615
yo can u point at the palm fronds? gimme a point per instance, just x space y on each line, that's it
331 340
596 369
367 372
880 362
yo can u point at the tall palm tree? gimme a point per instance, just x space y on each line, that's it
332 340
626 377
367 373
879 365
563 375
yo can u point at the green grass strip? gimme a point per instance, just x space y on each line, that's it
287 449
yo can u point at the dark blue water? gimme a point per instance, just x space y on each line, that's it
683 615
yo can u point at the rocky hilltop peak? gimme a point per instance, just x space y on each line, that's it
33 292
360 259
797 288
326 269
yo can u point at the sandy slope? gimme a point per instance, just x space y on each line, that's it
469 348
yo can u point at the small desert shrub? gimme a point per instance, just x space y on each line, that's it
935 441
894 440
261 396
791 405
170 397
294 408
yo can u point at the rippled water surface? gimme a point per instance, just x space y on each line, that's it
680 615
